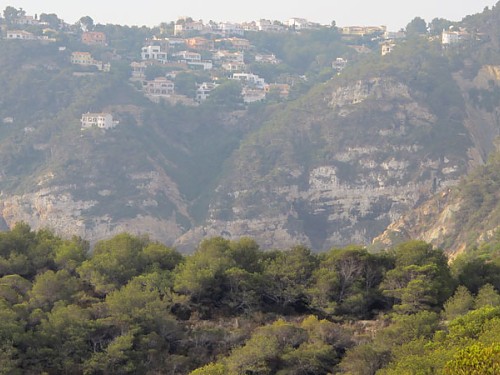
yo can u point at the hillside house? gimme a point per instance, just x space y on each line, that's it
298 24
160 86
138 70
94 38
395 35
251 95
154 53
283 89
182 27
227 28
239 43
20 35
387 47
250 26
187 56
339 64
86 59
26 20
234 66
199 43
266 25
82 58
363 30
203 91
99 120
266 59
249 79
226 56
449 38
200 65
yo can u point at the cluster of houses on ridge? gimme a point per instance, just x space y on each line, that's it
217 48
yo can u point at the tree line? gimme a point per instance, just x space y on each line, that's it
133 305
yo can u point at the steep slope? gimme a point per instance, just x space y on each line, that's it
144 176
342 163
457 220
335 166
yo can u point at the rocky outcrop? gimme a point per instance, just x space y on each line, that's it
370 172
57 208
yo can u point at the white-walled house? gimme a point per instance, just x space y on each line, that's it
99 120
20 35
203 91
449 37
154 53
187 56
160 86
250 79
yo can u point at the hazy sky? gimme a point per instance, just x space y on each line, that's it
395 14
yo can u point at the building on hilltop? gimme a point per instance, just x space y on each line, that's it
183 26
227 29
363 30
449 38
26 20
99 120
267 25
298 24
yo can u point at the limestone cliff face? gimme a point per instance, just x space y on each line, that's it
336 167
435 220
59 209
364 167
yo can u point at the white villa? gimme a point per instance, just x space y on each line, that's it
99 120
154 53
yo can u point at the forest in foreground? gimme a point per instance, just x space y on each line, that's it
136 306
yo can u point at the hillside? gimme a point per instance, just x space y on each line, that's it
461 219
334 162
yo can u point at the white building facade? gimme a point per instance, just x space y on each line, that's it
99 120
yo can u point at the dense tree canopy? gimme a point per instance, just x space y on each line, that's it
133 305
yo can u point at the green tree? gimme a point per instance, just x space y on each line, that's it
227 95
459 304
417 26
10 14
201 276
63 335
210 369
347 280
437 25
421 278
287 276
86 23
70 254
114 262
51 287
475 359
52 19
487 296
185 84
